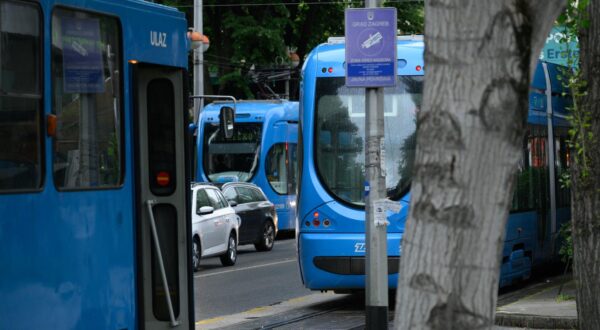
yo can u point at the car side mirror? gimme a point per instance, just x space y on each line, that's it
232 203
226 119
206 210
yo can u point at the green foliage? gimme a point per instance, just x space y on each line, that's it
582 140
236 84
565 179
257 34
574 17
566 246
411 16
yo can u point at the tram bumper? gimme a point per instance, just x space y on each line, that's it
331 261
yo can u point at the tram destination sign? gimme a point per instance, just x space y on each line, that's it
370 47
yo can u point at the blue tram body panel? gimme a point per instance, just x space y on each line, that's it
341 246
529 240
277 121
69 256
68 260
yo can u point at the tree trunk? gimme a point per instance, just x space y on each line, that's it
479 57
586 180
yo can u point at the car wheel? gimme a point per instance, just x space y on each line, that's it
196 254
230 256
267 238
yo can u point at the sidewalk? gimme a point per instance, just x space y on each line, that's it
535 305
540 306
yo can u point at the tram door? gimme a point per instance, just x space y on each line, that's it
164 273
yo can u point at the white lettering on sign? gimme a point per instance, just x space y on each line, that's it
370 24
158 39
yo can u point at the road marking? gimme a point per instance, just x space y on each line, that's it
258 309
245 268
209 321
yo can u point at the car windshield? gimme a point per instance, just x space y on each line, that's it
340 136
234 159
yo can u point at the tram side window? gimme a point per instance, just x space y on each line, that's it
293 167
531 190
281 168
21 165
86 83
562 165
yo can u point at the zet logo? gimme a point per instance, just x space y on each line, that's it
359 247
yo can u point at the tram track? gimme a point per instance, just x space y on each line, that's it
297 320
339 312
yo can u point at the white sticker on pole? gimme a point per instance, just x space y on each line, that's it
380 214
381 207
395 207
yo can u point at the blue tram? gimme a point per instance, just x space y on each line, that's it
262 150
94 223
331 215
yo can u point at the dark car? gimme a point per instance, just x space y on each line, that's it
259 219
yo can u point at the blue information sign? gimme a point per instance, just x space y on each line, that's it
370 47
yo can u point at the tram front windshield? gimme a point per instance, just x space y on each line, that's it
340 136
234 159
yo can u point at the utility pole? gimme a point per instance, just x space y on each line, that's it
376 304
198 62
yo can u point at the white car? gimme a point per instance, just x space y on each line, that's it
215 226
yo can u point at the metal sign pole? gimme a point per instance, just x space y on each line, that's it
370 36
376 264
376 304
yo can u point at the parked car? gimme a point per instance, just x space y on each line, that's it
259 219
215 225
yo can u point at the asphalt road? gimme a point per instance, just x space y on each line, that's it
257 279
261 279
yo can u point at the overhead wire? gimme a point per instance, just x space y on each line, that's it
350 2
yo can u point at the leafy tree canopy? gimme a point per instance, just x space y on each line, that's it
258 35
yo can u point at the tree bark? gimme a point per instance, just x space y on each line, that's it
478 59
586 189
